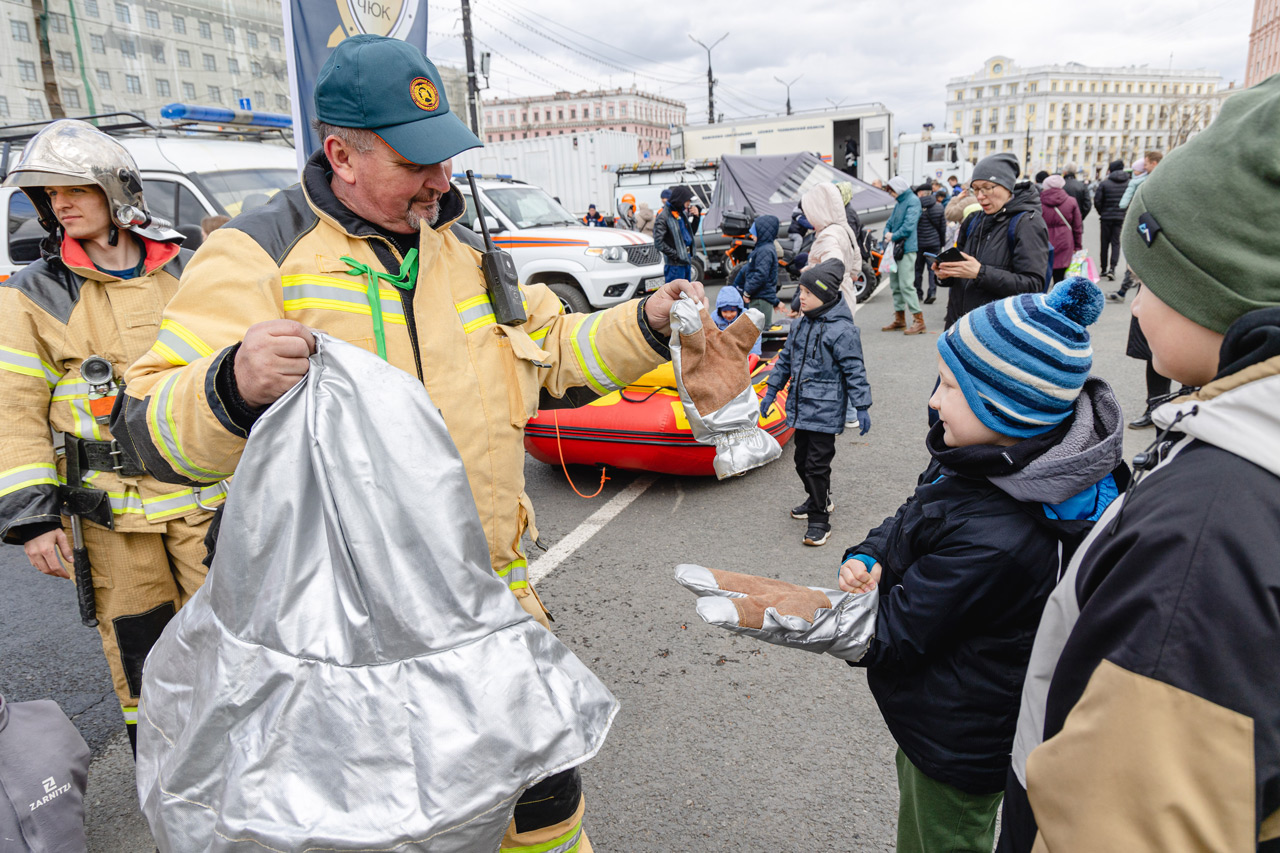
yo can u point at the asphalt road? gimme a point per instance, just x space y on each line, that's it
722 743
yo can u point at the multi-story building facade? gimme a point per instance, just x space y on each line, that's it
1051 115
77 57
649 117
1264 42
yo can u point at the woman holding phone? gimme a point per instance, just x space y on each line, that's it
1004 250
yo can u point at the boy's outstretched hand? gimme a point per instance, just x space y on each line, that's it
855 578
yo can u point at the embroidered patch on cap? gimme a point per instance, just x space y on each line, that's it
1148 227
424 94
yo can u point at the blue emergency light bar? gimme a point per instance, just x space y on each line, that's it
487 177
221 115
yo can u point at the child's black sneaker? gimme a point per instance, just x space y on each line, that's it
818 534
802 511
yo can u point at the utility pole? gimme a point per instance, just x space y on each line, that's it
788 85
473 85
711 80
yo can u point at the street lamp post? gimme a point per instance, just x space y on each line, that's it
711 80
788 85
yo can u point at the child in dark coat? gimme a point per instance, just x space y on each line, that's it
757 277
1026 455
823 360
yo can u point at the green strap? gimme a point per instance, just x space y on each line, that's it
406 280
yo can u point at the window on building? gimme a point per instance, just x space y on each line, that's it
104 80
58 22
184 58
233 65
26 71
609 111
1093 87
189 91
501 138
35 108
179 24
108 108
524 118
65 62
157 52
214 93
282 103
1013 88
260 97
1031 87
133 84
20 30
255 68
488 118
206 31
991 145
573 112
237 95
560 116
153 19
977 93
96 44
210 62
229 33
91 8
4 107
129 48
275 44
162 88
252 38
123 15
502 118
71 97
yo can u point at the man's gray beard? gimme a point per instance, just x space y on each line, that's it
416 222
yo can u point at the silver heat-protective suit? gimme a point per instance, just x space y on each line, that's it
353 675
734 429
844 630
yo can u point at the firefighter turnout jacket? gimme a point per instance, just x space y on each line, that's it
54 314
305 256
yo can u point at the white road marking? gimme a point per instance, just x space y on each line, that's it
565 548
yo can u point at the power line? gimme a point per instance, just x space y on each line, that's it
528 50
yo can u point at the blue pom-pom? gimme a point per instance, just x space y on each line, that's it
1077 299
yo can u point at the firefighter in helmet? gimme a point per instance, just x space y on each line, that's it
70 324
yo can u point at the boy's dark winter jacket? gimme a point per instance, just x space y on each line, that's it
1151 714
672 234
1007 270
1106 198
968 563
823 360
933 225
758 277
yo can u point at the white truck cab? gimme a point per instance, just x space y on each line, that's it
933 155
588 268
184 179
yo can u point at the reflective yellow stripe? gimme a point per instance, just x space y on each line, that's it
335 294
122 503
130 714
86 424
175 503
164 433
26 476
26 364
567 843
178 345
516 573
540 334
477 312
596 372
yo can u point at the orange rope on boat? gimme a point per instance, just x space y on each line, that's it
555 416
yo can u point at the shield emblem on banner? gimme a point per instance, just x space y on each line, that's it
392 18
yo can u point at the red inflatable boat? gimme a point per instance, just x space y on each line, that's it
640 428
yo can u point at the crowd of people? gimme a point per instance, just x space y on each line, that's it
1089 647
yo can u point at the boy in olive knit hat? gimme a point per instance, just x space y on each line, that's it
1150 714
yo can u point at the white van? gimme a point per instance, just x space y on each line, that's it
588 268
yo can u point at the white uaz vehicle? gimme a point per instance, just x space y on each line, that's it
588 268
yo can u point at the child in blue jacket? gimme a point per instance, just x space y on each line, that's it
757 278
823 360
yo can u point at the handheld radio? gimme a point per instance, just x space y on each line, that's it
499 272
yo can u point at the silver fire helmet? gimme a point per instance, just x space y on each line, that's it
71 153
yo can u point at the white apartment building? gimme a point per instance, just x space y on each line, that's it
629 110
1051 115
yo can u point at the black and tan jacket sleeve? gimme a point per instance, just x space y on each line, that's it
28 464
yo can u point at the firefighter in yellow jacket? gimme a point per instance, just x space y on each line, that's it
70 323
366 249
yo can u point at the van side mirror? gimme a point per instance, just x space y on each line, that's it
955 155
494 227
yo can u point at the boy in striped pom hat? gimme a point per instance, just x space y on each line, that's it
1026 456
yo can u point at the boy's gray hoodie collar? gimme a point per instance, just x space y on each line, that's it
1091 449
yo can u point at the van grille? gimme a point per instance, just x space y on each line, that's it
642 256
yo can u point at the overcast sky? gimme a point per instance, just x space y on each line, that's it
898 52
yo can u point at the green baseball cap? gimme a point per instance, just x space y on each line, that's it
388 86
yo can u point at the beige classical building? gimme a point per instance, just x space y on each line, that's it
1264 42
1051 115
630 110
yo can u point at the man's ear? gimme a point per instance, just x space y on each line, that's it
340 157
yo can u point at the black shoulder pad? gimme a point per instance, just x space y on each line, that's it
50 285
279 224
467 237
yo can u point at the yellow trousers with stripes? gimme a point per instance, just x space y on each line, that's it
139 581
568 836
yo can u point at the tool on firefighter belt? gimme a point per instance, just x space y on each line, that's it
79 503
99 375
499 273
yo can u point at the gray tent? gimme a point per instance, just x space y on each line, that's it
774 184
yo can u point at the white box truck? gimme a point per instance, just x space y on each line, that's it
932 155
576 168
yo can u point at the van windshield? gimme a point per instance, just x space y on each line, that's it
239 190
529 207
